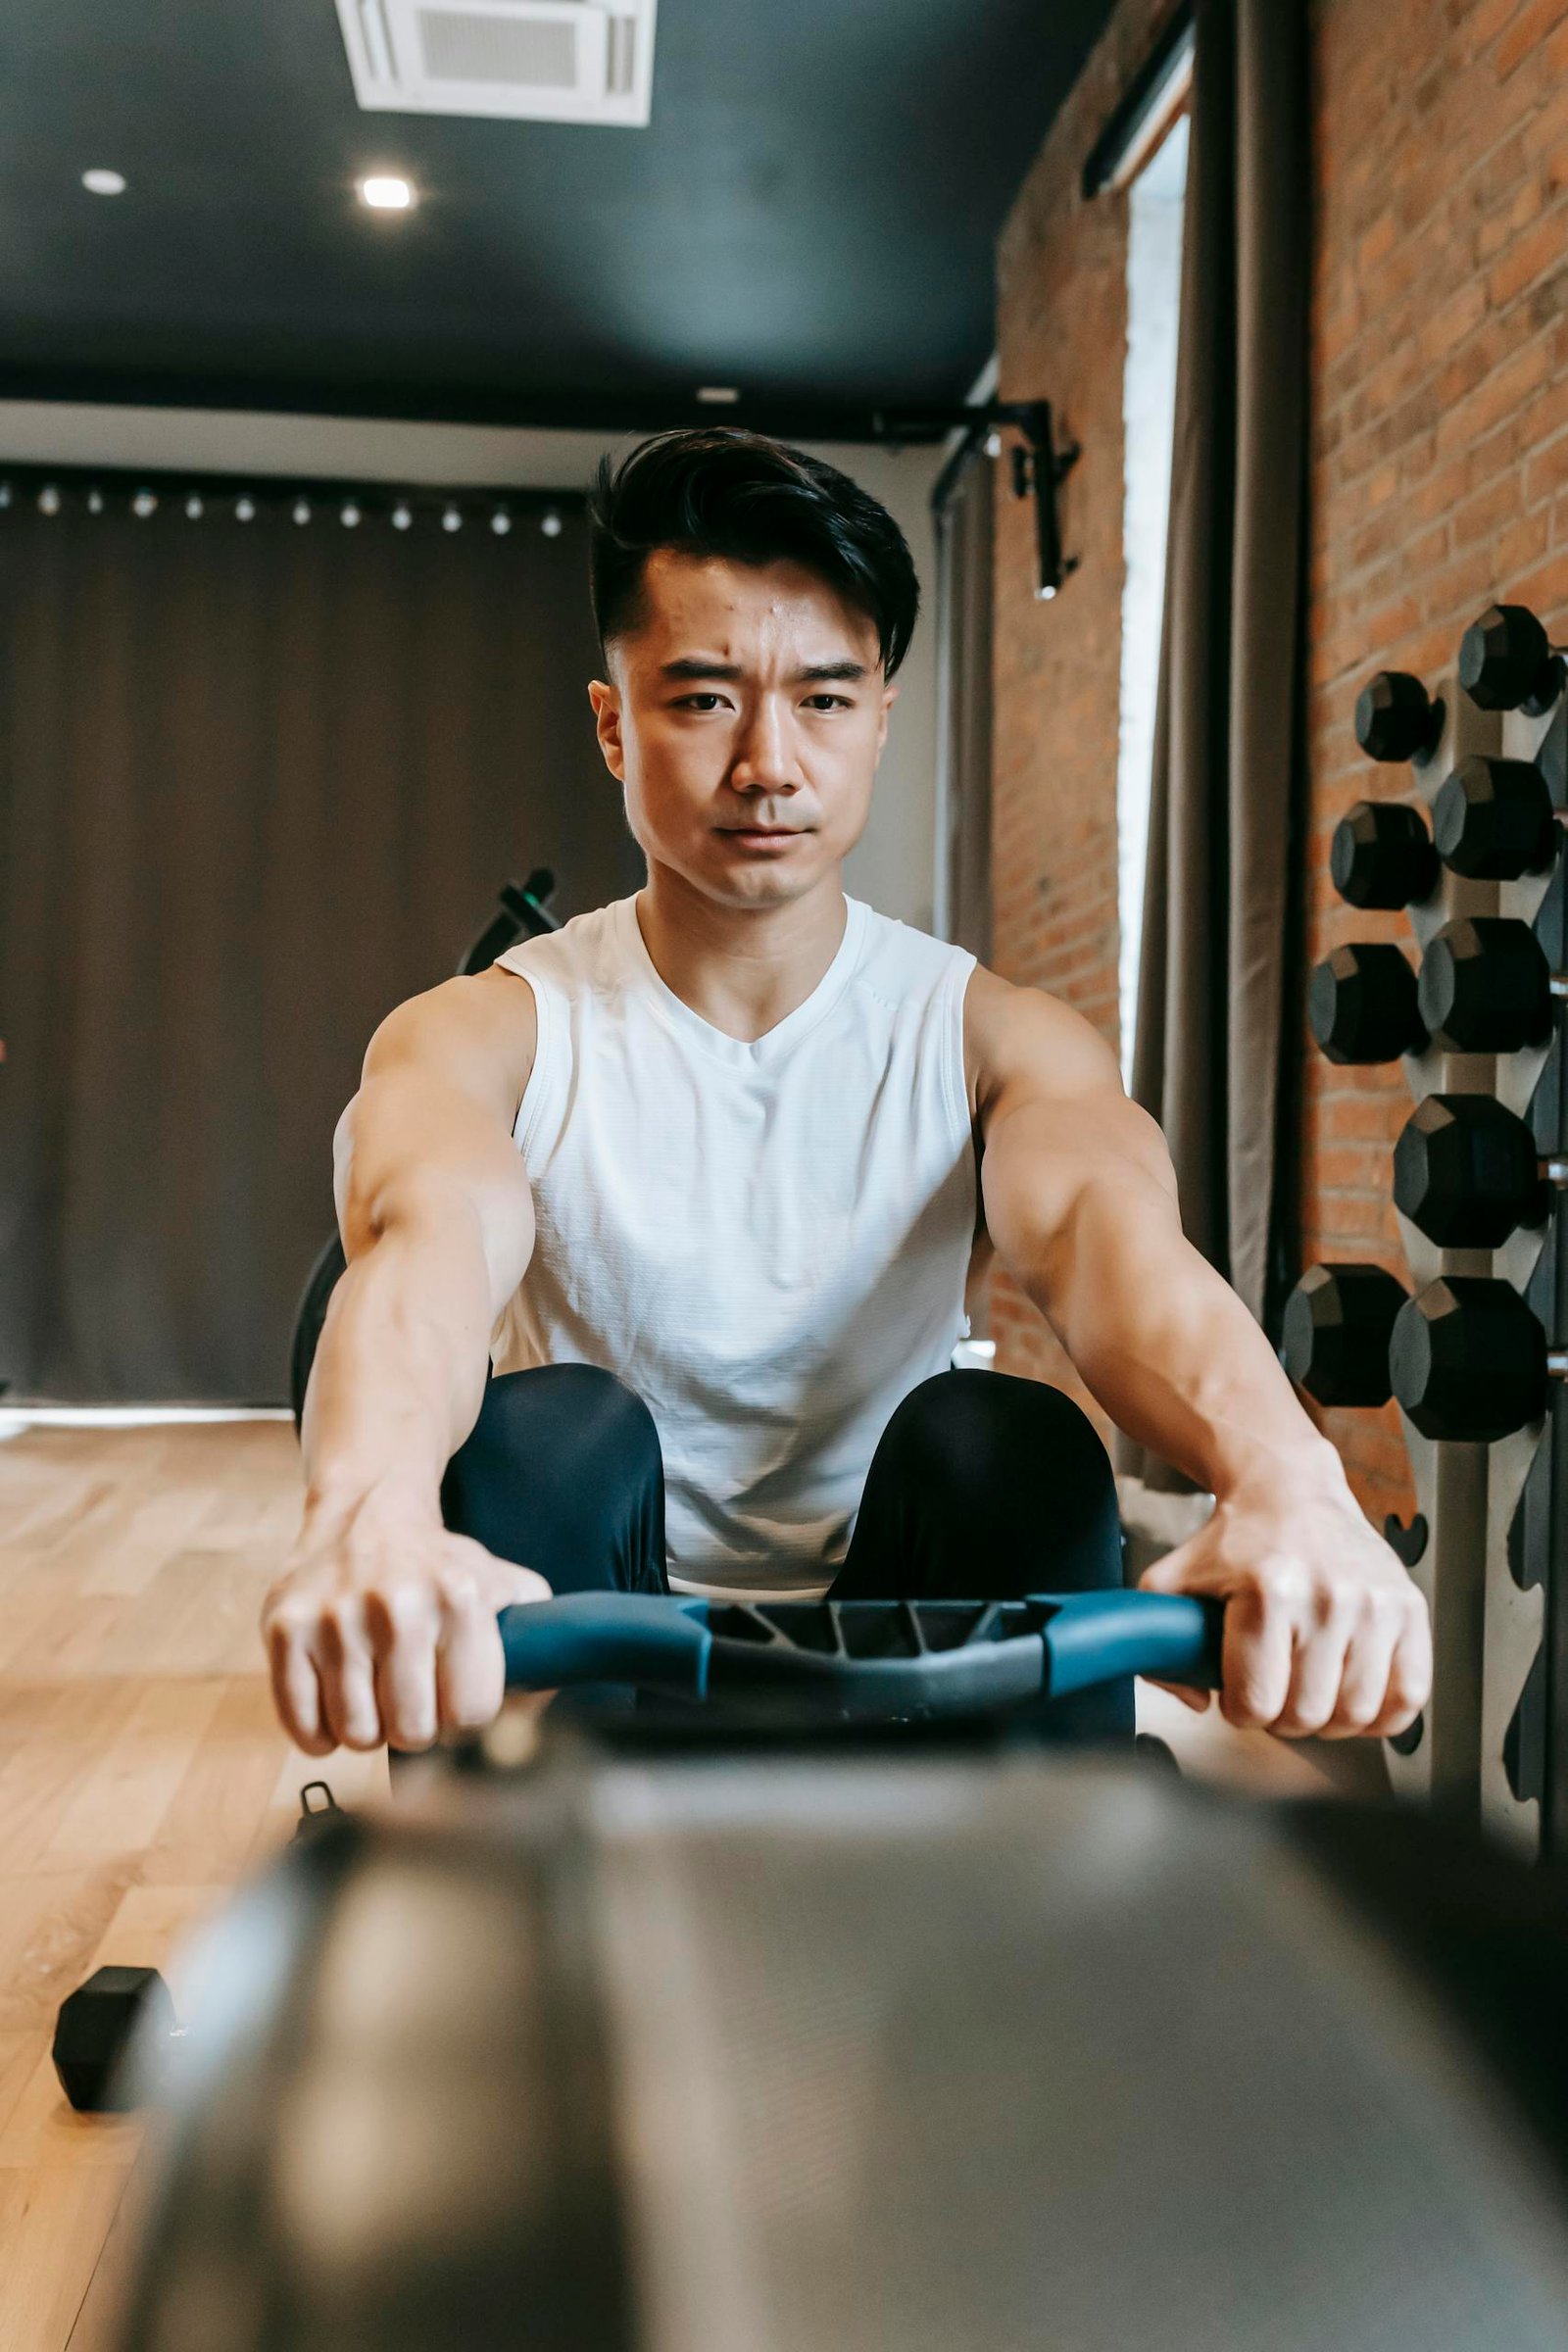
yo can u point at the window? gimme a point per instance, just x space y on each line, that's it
1149 410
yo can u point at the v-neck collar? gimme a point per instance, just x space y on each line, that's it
738 1052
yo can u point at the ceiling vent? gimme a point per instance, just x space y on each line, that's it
531 61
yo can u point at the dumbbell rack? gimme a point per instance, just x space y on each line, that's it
1524 1716
1438 1758
1488 1545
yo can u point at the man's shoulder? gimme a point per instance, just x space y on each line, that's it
480 1033
1014 1032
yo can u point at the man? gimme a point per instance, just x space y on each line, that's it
705 1173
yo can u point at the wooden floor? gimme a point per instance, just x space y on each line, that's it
141 1773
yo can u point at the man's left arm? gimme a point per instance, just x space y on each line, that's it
1324 1629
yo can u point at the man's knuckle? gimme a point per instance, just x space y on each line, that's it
457 1586
1283 1578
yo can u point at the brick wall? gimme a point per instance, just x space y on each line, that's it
1063 335
1440 480
1440 463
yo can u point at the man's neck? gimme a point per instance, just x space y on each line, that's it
741 969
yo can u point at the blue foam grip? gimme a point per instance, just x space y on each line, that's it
1097 1637
664 1644
656 1642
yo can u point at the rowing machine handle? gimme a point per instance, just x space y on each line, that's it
1046 1645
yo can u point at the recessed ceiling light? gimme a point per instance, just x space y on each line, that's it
719 396
102 182
386 194
549 523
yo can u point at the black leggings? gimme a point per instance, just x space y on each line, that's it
981 1487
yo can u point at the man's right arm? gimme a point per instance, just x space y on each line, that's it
382 1625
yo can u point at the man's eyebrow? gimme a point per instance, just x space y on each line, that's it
704 666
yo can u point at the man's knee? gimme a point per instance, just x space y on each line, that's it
579 1409
978 1426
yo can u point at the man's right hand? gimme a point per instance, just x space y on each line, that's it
382 1628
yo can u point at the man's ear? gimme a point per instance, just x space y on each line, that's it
890 695
605 701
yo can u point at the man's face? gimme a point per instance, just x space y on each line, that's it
745 715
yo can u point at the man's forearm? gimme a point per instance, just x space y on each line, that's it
399 1369
1167 1346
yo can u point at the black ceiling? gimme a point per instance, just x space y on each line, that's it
810 216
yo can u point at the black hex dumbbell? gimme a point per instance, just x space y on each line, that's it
95 2028
97 2024
1467 1171
1507 661
1338 1324
1362 1004
1493 821
1469 1361
1396 719
1486 986
1381 855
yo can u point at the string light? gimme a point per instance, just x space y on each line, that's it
451 519
300 510
549 523
244 509
145 503
350 515
95 502
501 522
49 500
401 516
193 507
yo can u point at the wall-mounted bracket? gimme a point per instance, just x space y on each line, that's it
1038 467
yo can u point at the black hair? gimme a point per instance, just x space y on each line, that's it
717 491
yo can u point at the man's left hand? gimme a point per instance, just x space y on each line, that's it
1325 1632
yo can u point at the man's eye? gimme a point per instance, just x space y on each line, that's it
700 702
828 702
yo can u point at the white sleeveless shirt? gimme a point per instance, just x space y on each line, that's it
768 1242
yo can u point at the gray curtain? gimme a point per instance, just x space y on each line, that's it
258 783
965 591
1217 1028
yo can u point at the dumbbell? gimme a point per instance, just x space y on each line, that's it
1338 1325
1507 662
1469 1362
1465 1358
1486 987
1467 1171
1396 719
94 2029
1381 855
1362 1004
1494 821
96 2023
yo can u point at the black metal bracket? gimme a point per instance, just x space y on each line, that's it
1039 468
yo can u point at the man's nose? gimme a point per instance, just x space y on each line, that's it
765 759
